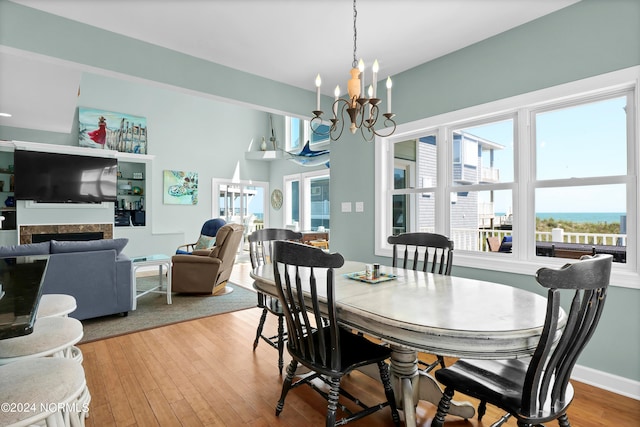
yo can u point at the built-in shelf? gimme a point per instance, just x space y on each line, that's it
267 155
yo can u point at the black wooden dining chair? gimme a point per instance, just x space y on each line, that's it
260 251
427 252
303 274
538 390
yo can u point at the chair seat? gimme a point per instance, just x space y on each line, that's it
51 335
274 306
498 382
47 382
355 351
55 305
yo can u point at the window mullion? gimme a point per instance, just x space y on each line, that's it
524 223
442 194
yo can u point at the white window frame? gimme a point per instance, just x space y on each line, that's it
305 179
215 196
523 259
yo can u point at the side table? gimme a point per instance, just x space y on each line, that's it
151 260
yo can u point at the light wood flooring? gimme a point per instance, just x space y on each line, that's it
204 373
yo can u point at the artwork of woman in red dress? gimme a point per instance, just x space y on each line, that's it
99 135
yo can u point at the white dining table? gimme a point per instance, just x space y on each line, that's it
444 315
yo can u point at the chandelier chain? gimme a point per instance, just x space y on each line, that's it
355 36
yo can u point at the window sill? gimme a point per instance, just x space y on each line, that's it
621 275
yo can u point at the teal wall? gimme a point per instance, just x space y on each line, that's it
587 39
196 133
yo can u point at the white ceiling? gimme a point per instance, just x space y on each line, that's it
285 40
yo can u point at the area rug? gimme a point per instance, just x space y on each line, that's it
153 310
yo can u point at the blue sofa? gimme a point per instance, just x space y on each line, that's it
96 273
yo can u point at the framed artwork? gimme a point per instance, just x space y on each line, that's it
112 131
180 188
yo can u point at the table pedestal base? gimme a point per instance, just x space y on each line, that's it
411 385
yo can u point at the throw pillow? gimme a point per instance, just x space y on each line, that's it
24 250
205 242
58 247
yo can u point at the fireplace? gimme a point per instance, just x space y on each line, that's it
43 233
45 237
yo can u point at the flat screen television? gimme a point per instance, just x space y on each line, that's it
64 178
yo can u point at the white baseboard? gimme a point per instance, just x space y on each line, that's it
610 382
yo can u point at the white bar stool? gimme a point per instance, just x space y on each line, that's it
55 305
48 391
51 336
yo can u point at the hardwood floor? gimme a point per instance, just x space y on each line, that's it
204 373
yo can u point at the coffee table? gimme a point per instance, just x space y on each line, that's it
150 260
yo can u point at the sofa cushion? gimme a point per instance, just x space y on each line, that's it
59 247
25 250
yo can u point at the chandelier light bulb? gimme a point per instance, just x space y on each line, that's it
361 68
318 83
375 69
389 84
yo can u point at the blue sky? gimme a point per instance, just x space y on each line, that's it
578 141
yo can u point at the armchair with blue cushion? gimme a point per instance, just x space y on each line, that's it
207 239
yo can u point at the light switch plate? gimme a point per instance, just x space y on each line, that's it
346 206
359 206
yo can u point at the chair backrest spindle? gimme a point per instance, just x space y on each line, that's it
261 243
438 251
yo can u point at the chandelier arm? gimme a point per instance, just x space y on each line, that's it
370 132
315 122
387 123
339 107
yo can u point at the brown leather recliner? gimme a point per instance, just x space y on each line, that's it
206 271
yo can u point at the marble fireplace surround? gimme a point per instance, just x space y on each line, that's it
27 231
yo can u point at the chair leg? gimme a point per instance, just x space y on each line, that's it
286 385
332 406
263 318
503 419
482 409
443 407
280 343
563 421
388 391
431 366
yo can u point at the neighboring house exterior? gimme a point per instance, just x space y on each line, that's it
416 167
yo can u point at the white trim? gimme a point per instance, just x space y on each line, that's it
606 381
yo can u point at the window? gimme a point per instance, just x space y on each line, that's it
307 200
298 132
241 202
551 174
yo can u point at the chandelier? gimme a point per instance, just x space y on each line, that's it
362 110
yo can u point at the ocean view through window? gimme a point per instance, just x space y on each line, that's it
550 176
